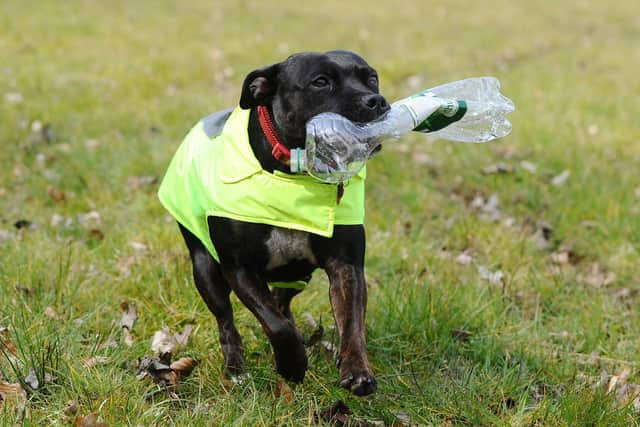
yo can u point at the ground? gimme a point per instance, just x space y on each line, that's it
503 277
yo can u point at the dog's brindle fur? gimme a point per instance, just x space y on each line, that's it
253 254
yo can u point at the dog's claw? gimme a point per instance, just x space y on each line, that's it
360 386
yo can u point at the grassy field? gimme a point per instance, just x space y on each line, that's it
495 298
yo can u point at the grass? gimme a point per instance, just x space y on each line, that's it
120 84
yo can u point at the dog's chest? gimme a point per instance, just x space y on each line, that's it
286 246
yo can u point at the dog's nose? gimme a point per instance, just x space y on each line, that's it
375 102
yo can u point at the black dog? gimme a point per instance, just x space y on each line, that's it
251 254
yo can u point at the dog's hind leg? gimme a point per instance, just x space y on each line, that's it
215 290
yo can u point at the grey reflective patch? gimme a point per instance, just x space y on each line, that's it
213 123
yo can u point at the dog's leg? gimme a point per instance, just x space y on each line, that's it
283 297
348 294
291 359
215 290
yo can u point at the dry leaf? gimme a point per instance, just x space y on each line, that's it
158 371
464 258
32 379
184 366
70 408
182 338
92 218
128 319
56 195
493 277
528 166
129 315
498 168
337 414
3 191
51 313
95 360
137 182
598 277
13 97
284 391
163 342
95 234
561 179
90 420
5 343
13 394
138 247
566 255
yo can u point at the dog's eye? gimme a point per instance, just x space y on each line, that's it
320 81
373 81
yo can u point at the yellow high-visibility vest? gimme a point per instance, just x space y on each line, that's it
216 174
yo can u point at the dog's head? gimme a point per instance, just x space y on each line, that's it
310 83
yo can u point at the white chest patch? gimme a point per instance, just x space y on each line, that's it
286 246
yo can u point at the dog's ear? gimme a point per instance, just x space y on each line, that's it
259 86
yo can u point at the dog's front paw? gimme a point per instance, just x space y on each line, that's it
360 382
291 358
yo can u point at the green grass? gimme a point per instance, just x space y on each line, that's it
135 77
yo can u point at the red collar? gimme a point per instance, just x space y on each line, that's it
279 151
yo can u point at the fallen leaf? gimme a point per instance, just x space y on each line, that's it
3 191
528 166
90 420
137 182
163 342
138 247
284 391
129 315
566 255
184 366
70 408
5 343
182 338
57 219
92 218
22 223
128 319
493 277
159 372
6 235
56 195
337 414
32 379
543 236
95 234
91 144
498 168
561 179
51 313
464 258
13 97
94 361
402 419
13 394
598 277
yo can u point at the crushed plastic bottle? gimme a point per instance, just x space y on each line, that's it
470 110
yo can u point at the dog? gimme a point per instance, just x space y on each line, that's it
275 104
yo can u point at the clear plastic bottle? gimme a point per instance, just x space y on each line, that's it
470 110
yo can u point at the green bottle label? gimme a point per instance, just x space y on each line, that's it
450 112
